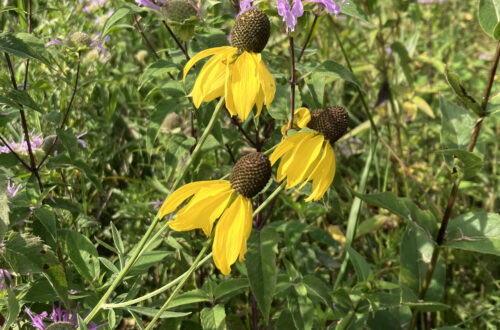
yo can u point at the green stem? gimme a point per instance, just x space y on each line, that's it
196 264
140 248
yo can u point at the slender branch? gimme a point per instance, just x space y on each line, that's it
15 154
30 12
146 40
255 312
184 50
242 130
293 83
308 36
66 113
454 190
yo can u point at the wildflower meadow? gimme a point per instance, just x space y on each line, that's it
239 164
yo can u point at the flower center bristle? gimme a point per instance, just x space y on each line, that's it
251 31
332 122
79 39
250 174
179 10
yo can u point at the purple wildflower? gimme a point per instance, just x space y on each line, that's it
99 43
149 3
53 42
22 147
245 5
58 315
156 205
5 274
12 190
82 142
290 14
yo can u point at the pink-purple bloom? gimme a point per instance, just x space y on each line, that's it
12 190
245 5
96 42
3 275
151 4
290 14
58 315
22 147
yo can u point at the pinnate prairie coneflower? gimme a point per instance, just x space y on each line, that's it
228 201
309 156
237 71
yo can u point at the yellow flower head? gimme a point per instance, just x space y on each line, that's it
237 71
228 201
309 156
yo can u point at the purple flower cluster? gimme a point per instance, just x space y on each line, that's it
58 315
96 42
290 14
151 4
22 147
12 190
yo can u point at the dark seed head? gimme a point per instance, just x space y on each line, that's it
179 10
251 31
250 174
331 122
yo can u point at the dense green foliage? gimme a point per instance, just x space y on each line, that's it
412 77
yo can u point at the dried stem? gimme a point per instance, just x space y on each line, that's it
454 190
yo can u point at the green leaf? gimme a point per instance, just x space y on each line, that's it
157 69
16 96
261 266
354 9
4 207
455 83
15 46
82 253
230 286
427 306
489 17
117 240
404 60
331 69
472 163
26 253
45 225
456 124
318 289
475 231
147 260
113 19
386 200
213 318
156 120
13 308
152 312
360 265
190 297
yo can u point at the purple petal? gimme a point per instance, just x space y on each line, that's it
147 3
53 42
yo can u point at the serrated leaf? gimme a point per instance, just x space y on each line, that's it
472 163
213 317
489 17
475 231
15 46
261 266
456 85
82 253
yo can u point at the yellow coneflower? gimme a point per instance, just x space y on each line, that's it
309 156
228 201
237 71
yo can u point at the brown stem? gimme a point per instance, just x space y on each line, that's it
308 36
15 154
293 82
255 312
454 191
184 50
146 40
240 128
66 113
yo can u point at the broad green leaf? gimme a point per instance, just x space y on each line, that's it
354 9
152 312
318 289
472 163
261 266
15 46
82 253
190 297
13 308
156 121
109 265
331 69
4 207
14 97
404 60
456 125
213 318
489 17
475 231
113 19
45 225
286 321
386 200
26 253
360 265
230 286
455 83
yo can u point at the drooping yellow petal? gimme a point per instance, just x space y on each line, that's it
231 234
323 175
203 54
180 195
267 82
210 82
285 145
289 157
305 160
244 85
203 209
301 118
